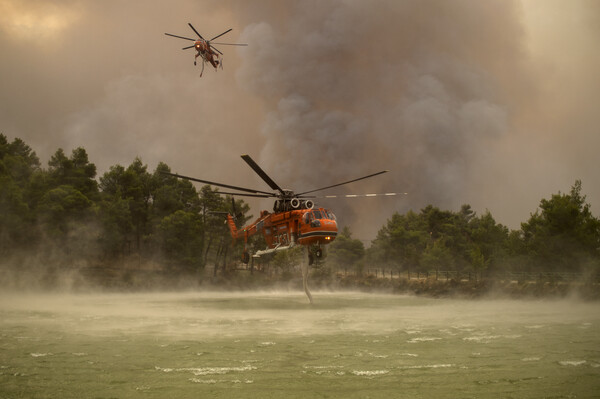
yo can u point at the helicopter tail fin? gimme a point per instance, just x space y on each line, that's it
232 228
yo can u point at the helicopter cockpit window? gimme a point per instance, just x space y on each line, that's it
307 217
317 214
330 215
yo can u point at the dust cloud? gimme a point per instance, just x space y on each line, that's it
279 313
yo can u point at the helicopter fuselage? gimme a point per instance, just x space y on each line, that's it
289 228
205 52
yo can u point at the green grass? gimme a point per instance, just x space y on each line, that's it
349 345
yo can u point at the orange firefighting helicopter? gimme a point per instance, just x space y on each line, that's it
294 221
205 49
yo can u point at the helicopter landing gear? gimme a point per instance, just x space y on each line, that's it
319 253
246 257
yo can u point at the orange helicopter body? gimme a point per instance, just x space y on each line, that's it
204 51
283 230
204 48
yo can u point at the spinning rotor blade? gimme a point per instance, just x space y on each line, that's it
185 48
249 195
180 37
249 190
262 173
194 29
232 44
212 47
346 182
362 195
227 31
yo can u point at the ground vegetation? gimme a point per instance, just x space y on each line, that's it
63 216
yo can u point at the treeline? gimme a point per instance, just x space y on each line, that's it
562 235
61 215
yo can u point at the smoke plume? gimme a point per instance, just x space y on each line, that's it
421 88
488 103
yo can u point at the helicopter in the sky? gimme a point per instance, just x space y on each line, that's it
295 219
205 49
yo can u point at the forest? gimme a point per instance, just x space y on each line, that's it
62 216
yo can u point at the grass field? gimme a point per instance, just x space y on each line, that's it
348 344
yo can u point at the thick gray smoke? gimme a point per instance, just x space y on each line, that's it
491 103
353 87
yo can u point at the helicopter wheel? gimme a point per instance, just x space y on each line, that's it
319 253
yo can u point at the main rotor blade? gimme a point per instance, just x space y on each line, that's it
361 195
180 37
185 48
346 182
261 173
227 31
231 44
194 29
249 195
217 50
248 190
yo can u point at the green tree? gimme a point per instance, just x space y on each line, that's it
345 251
488 242
170 194
65 207
478 260
215 232
67 217
116 227
448 232
217 237
435 238
17 164
17 160
181 236
401 241
133 185
437 255
15 217
75 171
562 234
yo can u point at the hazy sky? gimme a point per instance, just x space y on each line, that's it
490 103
